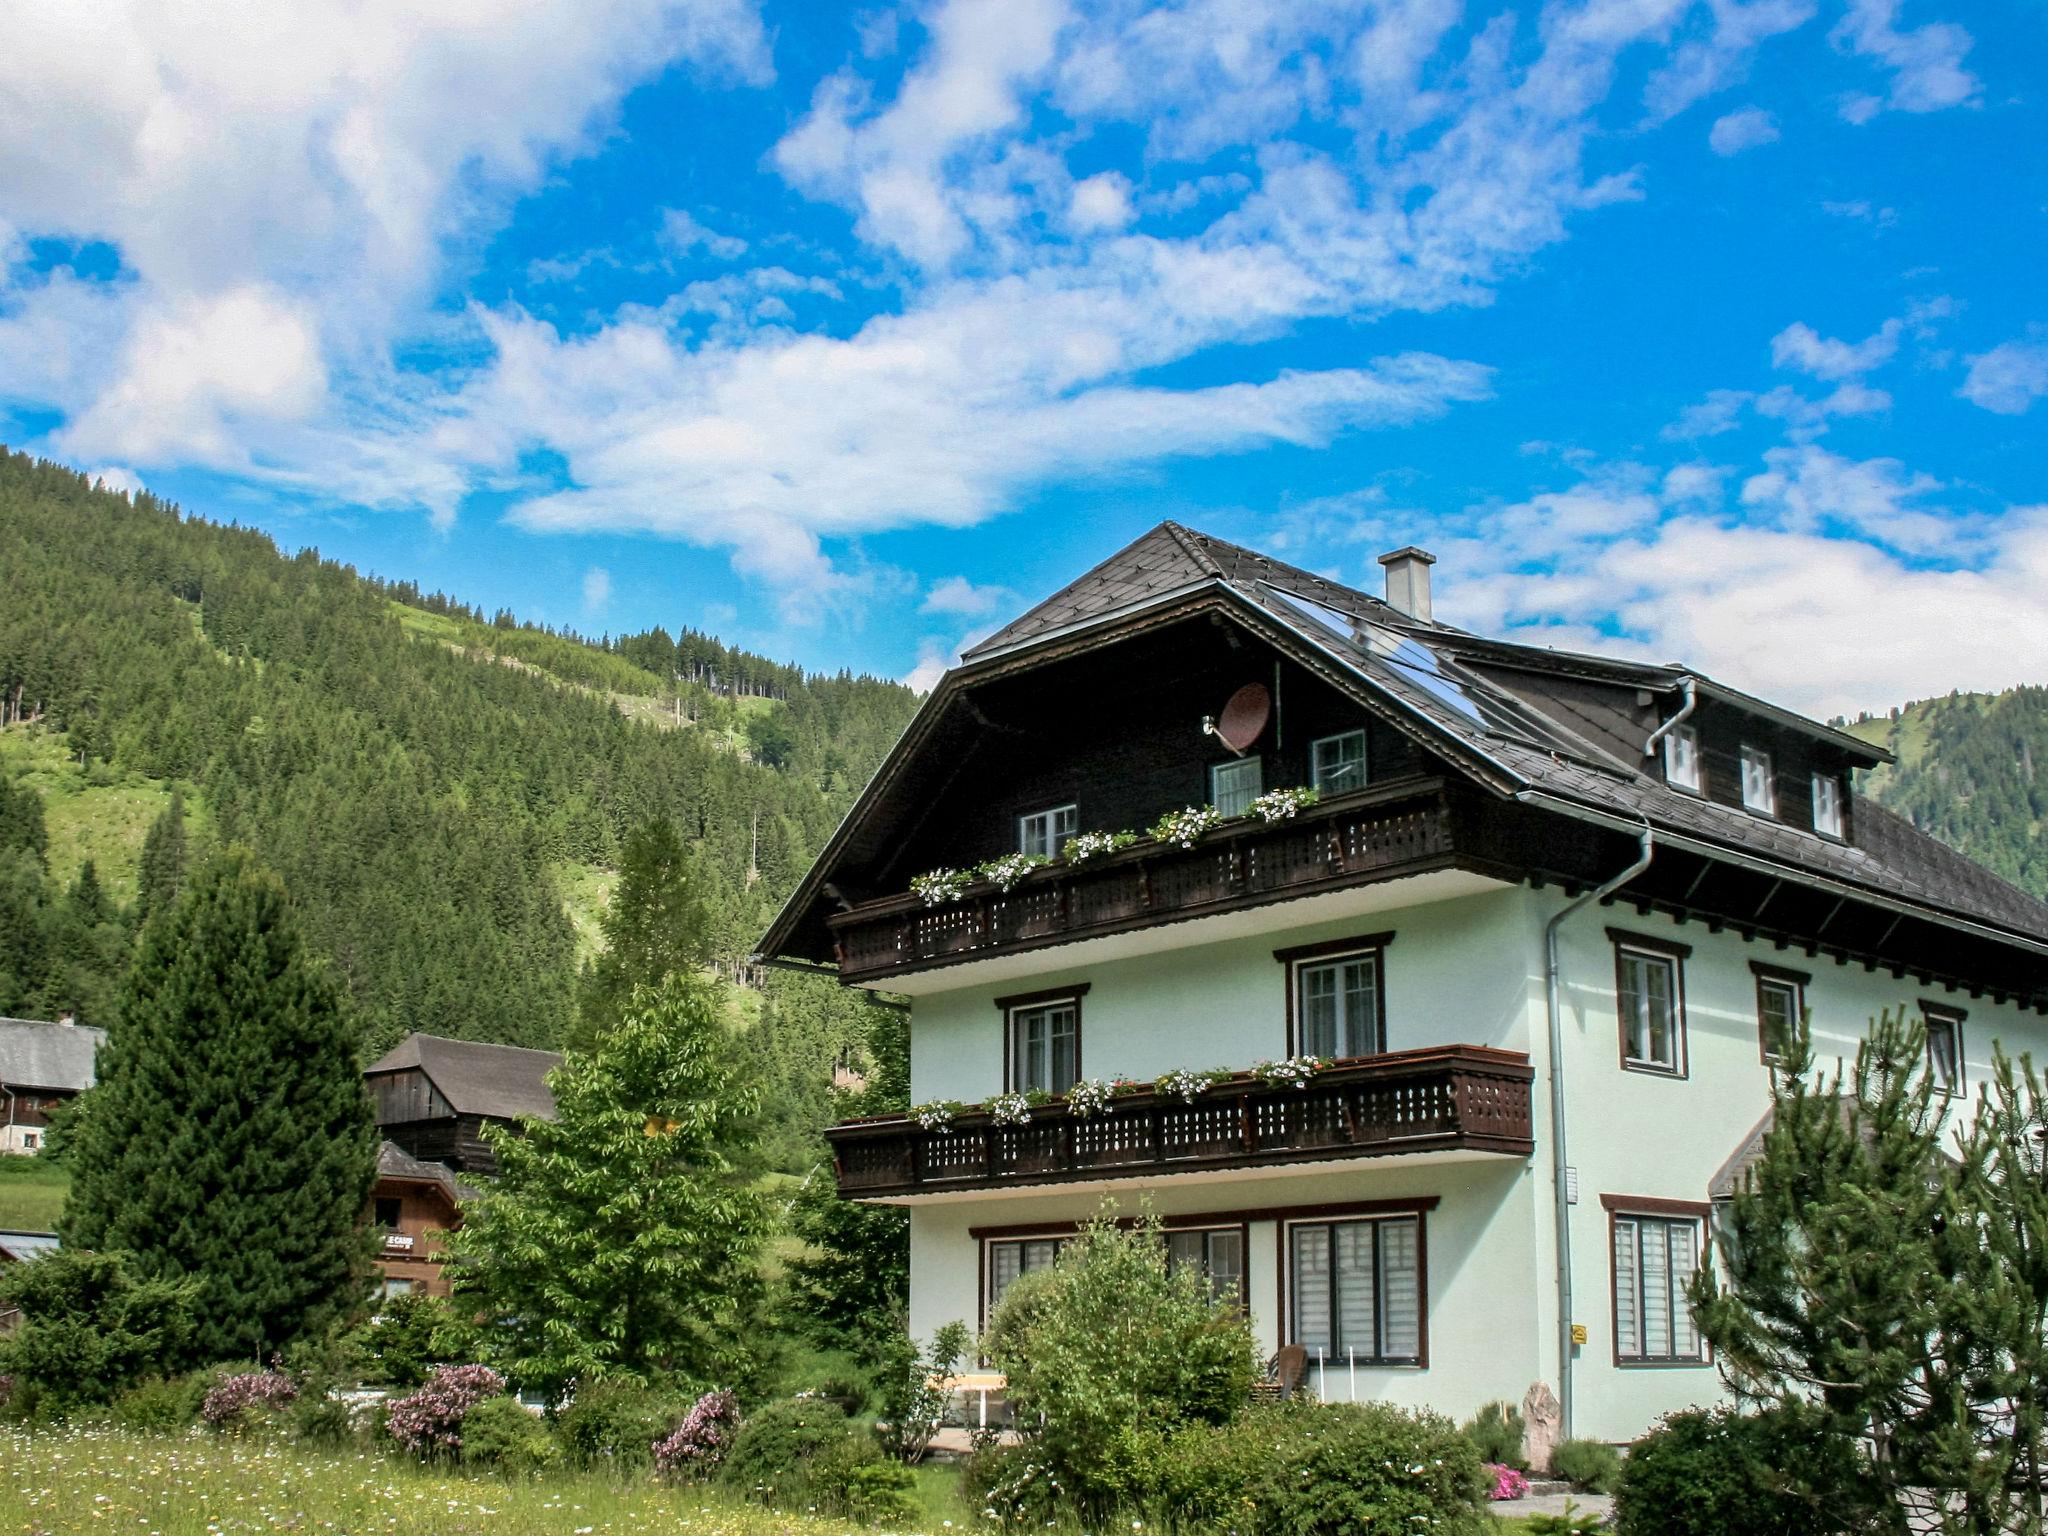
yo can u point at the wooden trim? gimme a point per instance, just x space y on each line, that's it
1295 956
1800 979
1656 1205
1655 1210
1948 1013
1412 1204
1930 1005
1676 954
1388 1210
1776 975
1012 1006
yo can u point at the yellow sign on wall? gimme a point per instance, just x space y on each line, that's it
1578 1333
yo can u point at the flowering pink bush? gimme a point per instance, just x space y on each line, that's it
229 1399
429 1421
700 1442
1507 1482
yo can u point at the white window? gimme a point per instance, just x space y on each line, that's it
1217 1256
1356 1290
1945 1048
1780 1003
1045 1046
1007 1260
1652 1009
1234 786
1827 804
1337 1006
1337 763
1759 788
1682 758
1046 832
1654 1260
30 1141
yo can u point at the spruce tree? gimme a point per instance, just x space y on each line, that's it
163 860
617 1240
656 925
230 1139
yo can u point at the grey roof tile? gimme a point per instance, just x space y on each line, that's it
35 1053
499 1081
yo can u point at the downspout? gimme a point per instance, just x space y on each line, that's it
1560 1163
1692 700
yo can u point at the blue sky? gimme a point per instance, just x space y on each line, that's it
1712 331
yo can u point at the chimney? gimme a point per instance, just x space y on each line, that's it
67 1017
1408 581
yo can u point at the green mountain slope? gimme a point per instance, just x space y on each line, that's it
1973 771
444 795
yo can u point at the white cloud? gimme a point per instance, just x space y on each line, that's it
1926 62
1799 346
117 477
961 598
1101 202
1810 490
1745 129
682 233
1720 57
2009 378
1720 412
1861 211
597 589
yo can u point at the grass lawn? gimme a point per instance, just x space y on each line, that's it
102 814
31 1194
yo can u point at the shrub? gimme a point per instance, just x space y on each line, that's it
1309 1469
616 1423
807 1455
1589 1465
90 1329
1505 1481
412 1335
1108 1353
161 1404
1496 1433
1726 1473
241 1399
429 1422
698 1446
320 1417
914 1388
501 1436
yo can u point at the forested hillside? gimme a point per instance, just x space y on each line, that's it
430 784
1972 770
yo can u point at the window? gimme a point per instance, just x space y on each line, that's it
1217 1256
1356 1289
1759 789
1337 763
1044 1040
1682 758
1944 1046
1650 984
1046 832
1654 1260
1780 1004
30 1141
1827 805
1336 996
395 1286
388 1211
1234 786
1003 1262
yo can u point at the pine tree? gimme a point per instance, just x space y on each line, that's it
162 874
616 1241
230 1138
655 926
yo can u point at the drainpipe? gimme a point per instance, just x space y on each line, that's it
1560 1163
1692 699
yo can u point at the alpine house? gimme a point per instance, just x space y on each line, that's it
1534 922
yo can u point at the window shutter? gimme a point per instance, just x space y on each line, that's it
1627 1293
1401 1277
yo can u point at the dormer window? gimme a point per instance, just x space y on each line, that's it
1827 805
1337 763
1759 788
1234 786
1046 832
1682 758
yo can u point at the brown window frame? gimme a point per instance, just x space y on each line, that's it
1778 976
1624 940
1641 1208
1376 1211
1949 1014
1295 956
1019 1002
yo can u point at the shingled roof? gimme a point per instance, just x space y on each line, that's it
35 1053
500 1082
394 1162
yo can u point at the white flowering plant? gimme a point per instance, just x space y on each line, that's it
1093 845
1010 868
1188 1084
1292 1072
1091 1096
1187 826
936 1114
939 886
1010 1109
1280 804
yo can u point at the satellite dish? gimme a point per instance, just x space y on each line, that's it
1244 718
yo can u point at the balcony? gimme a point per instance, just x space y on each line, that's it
1378 833
1455 1098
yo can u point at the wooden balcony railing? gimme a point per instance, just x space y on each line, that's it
1378 833
1454 1098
